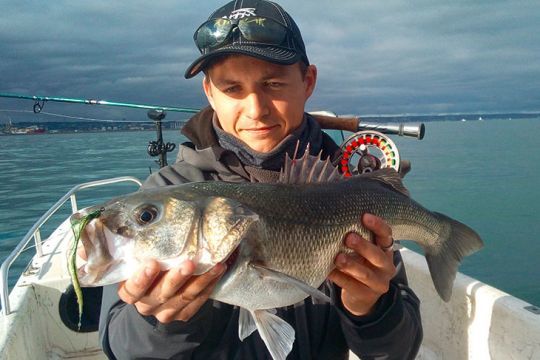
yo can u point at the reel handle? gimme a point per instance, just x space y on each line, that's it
353 124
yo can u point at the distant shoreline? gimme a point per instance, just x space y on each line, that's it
60 127
85 132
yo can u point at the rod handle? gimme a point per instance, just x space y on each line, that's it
353 124
338 123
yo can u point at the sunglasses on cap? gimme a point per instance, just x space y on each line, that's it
216 32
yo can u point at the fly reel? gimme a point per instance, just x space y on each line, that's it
368 151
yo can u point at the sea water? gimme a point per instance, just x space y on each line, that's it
483 173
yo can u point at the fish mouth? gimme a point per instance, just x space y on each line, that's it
98 257
103 255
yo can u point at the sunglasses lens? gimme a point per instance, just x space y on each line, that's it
213 33
262 30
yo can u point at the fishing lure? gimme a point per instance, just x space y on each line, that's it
77 226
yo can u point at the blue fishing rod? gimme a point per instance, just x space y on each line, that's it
155 112
41 100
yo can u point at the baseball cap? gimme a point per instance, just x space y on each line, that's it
258 28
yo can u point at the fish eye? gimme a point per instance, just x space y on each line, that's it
146 214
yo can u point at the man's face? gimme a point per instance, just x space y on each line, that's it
257 101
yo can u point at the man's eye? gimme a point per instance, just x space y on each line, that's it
275 84
232 89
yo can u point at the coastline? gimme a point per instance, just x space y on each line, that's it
42 128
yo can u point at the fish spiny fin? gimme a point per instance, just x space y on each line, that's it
246 324
284 278
389 177
276 333
307 169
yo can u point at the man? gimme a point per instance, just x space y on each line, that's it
257 81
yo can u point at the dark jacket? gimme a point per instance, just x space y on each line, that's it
323 331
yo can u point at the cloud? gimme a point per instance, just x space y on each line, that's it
373 57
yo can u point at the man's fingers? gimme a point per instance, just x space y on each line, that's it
378 226
198 284
191 297
381 230
351 285
364 275
173 280
367 250
191 309
133 289
359 272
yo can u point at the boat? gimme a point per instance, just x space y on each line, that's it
39 317
9 129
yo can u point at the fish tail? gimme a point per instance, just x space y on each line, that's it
452 246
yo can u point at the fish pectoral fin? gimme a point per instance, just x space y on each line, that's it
246 324
276 333
287 279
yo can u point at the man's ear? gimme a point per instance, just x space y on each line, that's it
207 87
310 80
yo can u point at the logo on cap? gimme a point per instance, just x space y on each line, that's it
242 13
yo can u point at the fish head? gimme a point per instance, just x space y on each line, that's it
157 224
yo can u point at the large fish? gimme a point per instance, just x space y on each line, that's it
279 239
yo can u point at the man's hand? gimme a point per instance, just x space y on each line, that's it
365 274
170 295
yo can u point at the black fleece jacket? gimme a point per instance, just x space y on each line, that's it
323 331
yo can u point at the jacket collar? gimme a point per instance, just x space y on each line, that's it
199 129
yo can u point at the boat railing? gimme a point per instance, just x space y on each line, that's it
35 233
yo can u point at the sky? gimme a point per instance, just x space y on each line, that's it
373 57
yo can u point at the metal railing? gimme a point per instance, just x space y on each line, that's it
35 233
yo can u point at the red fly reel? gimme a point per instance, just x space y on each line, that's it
367 151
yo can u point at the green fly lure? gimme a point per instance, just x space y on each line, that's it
78 225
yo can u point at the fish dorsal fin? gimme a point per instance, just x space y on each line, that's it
388 176
307 169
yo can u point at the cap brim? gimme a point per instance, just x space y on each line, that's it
273 54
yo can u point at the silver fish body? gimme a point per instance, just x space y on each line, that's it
300 231
283 238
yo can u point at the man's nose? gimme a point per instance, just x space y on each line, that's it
256 105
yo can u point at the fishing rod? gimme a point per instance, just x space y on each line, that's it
368 149
155 112
41 100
